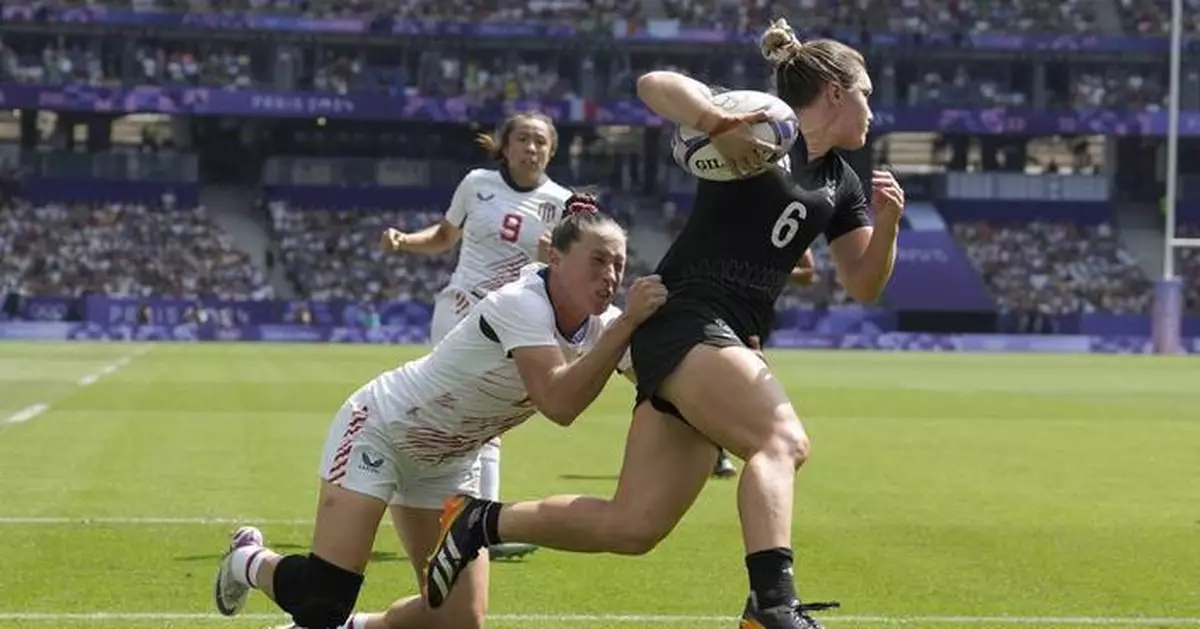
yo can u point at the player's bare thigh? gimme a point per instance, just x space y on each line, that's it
352 499
345 527
666 465
730 395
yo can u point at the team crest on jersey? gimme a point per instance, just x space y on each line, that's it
547 212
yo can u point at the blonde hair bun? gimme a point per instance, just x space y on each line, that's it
779 44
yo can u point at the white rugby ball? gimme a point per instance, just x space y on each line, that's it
694 151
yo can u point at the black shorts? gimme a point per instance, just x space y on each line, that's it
660 344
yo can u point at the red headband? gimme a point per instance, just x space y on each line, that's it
581 203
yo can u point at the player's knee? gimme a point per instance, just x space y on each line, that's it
472 618
636 535
789 441
318 594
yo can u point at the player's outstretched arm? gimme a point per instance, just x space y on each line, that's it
443 235
562 390
436 238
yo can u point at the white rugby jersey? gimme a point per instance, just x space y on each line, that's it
467 390
501 227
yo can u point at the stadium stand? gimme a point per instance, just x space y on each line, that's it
963 114
123 250
333 254
1056 268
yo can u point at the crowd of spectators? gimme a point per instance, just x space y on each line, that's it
226 66
1119 89
122 250
1153 17
1056 268
1187 267
132 250
502 76
906 16
916 17
331 254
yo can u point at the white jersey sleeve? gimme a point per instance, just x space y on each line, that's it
609 317
460 203
521 319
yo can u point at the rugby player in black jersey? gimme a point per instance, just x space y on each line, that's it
699 381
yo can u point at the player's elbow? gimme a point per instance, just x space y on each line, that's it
652 84
444 237
648 82
864 286
554 407
559 414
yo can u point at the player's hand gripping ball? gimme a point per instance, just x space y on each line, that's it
756 129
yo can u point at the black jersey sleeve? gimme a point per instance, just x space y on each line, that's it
850 208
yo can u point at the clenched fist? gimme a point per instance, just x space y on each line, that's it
646 296
392 240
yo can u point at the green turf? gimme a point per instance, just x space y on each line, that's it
942 485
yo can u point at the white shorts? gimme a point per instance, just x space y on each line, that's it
359 456
449 307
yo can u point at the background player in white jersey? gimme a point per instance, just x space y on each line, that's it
501 216
547 342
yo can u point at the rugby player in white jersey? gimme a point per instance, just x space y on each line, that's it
501 216
547 342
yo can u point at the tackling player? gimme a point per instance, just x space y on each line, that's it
547 342
501 216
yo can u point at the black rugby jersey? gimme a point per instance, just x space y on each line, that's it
744 237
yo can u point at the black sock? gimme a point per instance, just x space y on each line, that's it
771 577
491 524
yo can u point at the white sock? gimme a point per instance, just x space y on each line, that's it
356 621
246 562
489 471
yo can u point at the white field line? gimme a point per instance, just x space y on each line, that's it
832 619
200 521
33 410
27 413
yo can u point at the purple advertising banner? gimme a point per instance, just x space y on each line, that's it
848 319
664 31
1015 212
57 190
890 341
336 312
383 105
932 273
344 312
839 320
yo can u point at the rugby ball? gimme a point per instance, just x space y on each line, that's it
694 152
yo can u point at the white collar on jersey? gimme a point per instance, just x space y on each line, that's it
512 183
